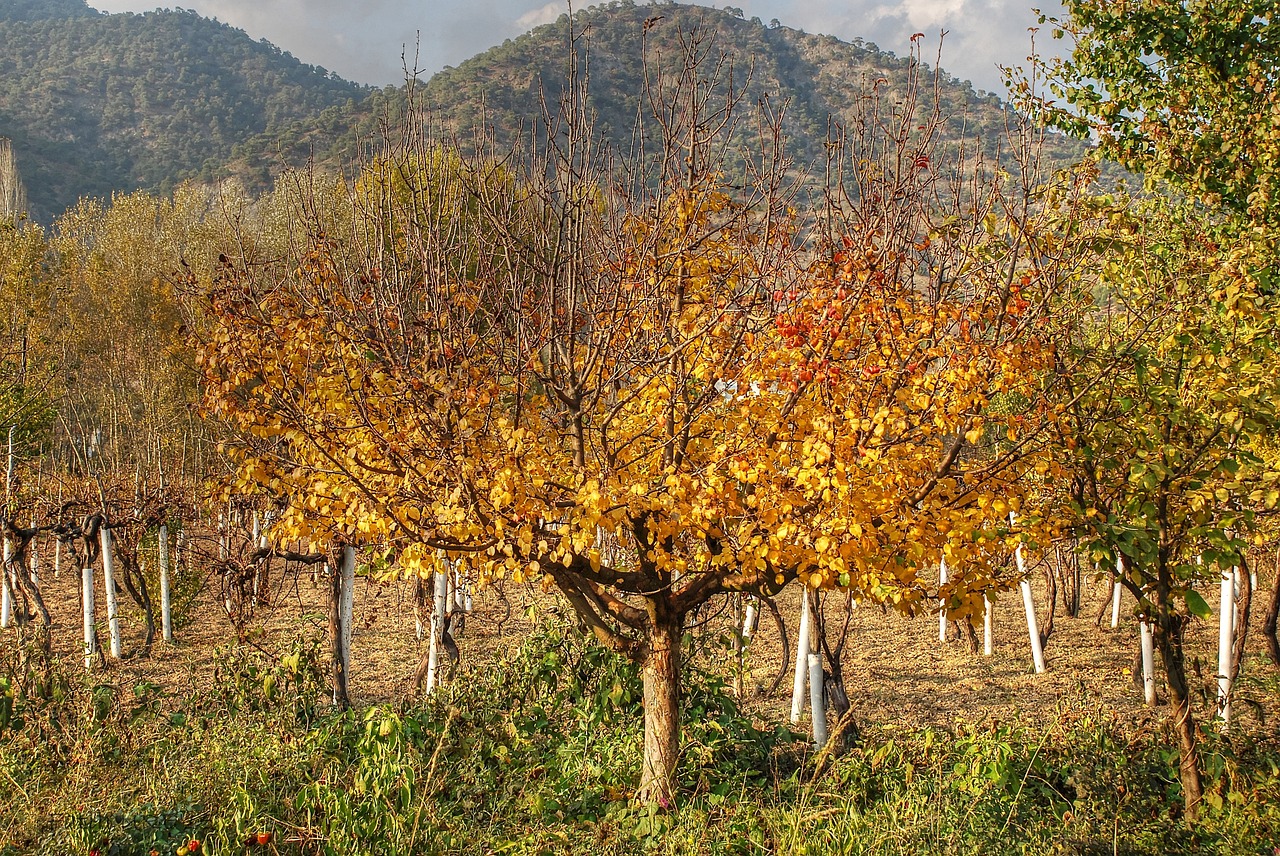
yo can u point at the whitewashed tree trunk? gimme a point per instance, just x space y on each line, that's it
749 621
1235 599
1033 631
1115 593
86 594
6 594
817 704
35 564
348 607
166 599
802 659
257 535
1226 640
450 592
109 583
942 604
437 627
57 559
1028 604
988 627
1148 663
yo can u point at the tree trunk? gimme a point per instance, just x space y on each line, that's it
419 599
1244 601
785 665
1273 613
661 672
802 658
1051 596
1168 637
739 644
338 658
136 585
166 599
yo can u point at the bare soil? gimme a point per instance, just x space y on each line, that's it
895 669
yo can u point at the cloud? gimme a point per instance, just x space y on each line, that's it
542 15
364 41
981 34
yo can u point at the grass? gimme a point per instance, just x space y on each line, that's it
538 755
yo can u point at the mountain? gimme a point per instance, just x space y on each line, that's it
39 10
809 78
97 103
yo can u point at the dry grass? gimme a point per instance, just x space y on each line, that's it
896 671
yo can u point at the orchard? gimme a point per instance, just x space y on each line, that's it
490 500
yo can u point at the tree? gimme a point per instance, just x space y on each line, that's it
13 196
1182 92
624 382
126 375
1186 94
1168 464
27 375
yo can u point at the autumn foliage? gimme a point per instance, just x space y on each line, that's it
647 390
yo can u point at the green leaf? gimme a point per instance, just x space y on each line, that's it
1197 606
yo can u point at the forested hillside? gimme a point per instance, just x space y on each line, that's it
98 103
808 79
809 471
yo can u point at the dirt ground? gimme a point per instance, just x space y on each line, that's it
895 669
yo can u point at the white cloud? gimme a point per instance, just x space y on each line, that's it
981 34
542 15
364 40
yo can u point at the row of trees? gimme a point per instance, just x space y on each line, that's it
647 389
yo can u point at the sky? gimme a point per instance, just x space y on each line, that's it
372 41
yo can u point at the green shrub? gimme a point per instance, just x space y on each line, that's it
540 754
